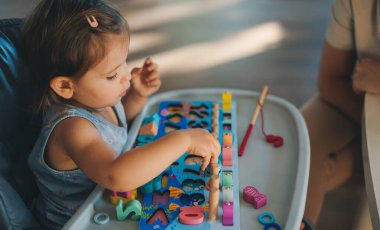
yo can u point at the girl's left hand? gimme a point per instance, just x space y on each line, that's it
146 80
366 77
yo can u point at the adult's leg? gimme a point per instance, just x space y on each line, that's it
333 140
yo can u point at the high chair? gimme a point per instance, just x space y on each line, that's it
19 129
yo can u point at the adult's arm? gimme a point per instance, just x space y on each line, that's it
335 82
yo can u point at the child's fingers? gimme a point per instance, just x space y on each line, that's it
135 72
149 64
215 153
152 76
152 67
216 143
155 83
147 61
206 162
214 160
218 150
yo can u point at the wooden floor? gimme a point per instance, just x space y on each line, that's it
240 44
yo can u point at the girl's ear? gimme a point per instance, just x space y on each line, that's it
63 86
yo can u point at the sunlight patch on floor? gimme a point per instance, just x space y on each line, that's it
146 41
142 19
206 55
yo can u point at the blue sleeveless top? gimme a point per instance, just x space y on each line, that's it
62 192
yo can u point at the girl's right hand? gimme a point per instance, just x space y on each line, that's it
203 144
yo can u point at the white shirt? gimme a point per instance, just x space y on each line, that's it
355 25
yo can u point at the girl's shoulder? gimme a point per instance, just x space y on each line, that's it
69 121
56 113
69 139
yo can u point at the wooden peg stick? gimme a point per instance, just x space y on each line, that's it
214 192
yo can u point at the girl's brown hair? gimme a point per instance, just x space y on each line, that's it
59 41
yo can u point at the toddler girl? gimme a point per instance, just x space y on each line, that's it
77 51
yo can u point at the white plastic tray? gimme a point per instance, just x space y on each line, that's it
280 173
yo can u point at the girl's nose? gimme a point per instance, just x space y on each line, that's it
126 76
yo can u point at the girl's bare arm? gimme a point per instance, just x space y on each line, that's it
83 144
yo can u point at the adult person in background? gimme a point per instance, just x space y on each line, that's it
349 67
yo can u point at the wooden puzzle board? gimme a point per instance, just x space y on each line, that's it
184 174
280 173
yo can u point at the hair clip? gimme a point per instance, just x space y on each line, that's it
92 21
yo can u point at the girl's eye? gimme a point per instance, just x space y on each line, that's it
113 77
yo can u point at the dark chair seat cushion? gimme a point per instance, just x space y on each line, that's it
19 129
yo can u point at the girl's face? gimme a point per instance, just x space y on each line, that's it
106 83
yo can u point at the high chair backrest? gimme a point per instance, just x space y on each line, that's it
19 129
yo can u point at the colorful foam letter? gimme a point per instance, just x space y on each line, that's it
132 206
191 215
